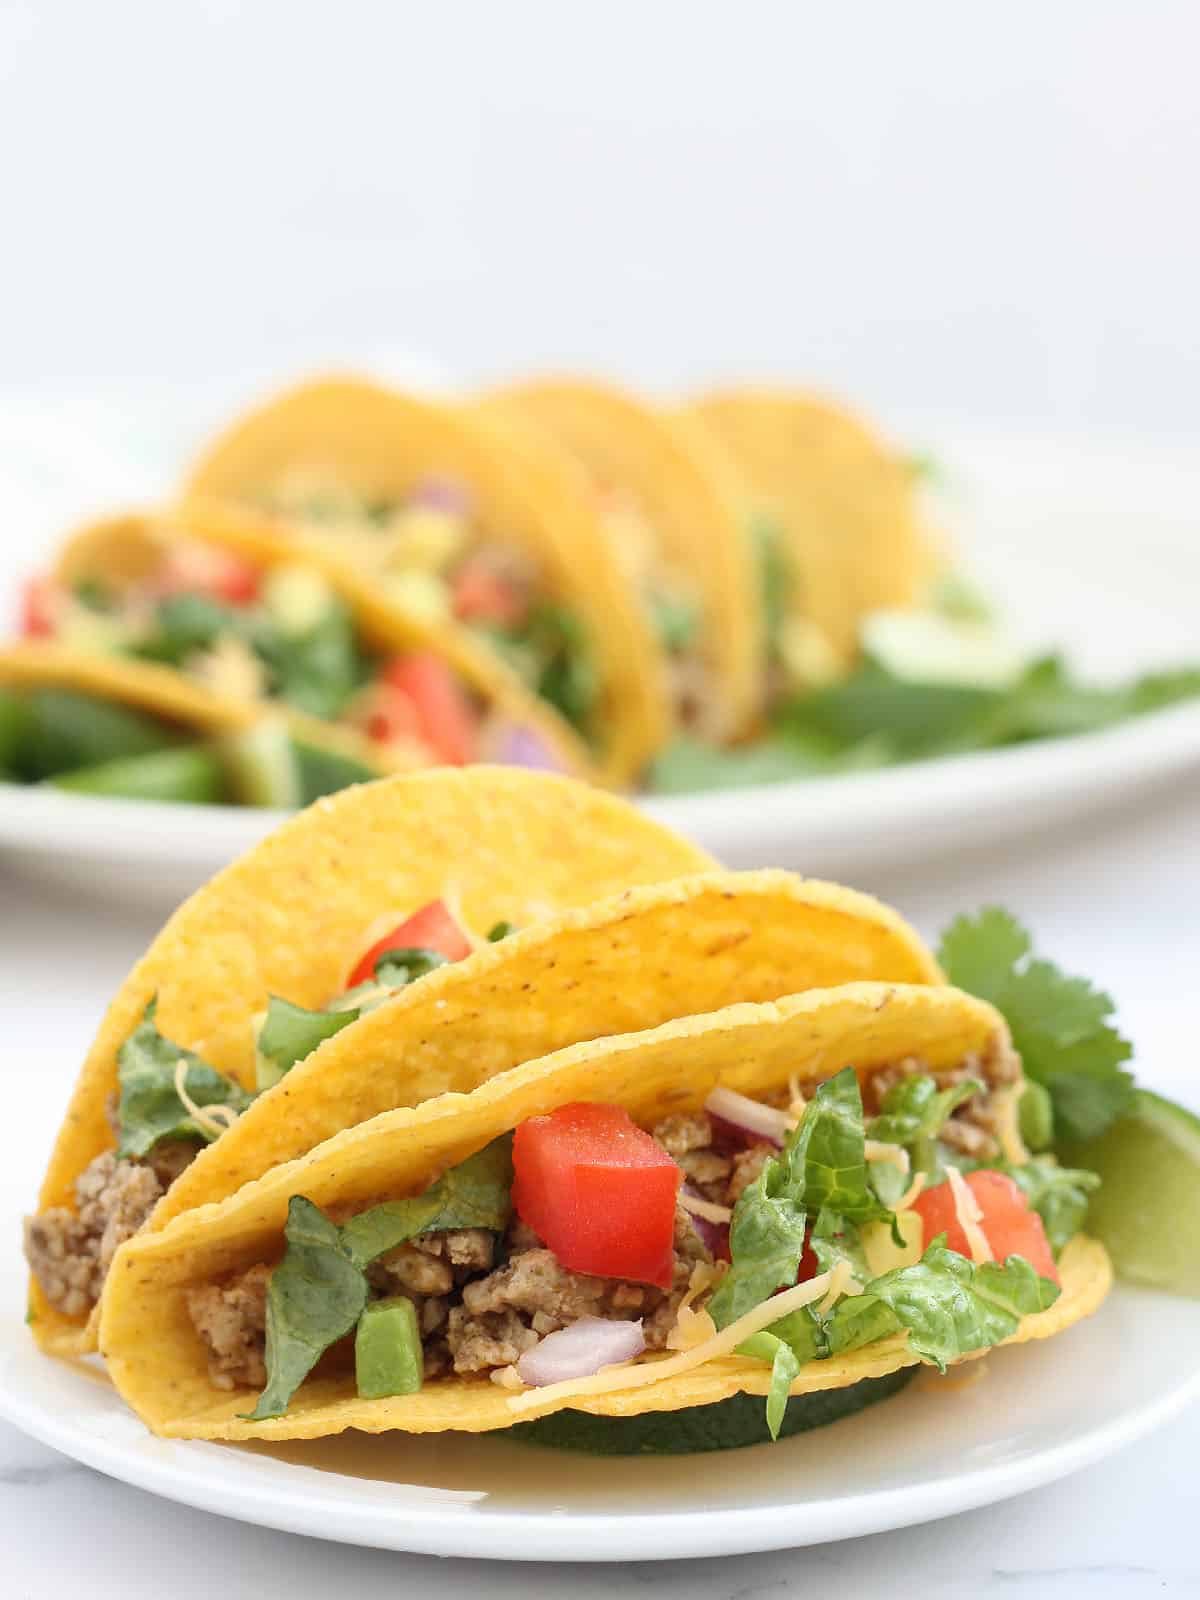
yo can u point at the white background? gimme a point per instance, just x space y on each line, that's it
987 213
936 207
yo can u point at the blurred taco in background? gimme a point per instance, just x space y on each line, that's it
765 1200
108 725
837 524
674 511
229 601
470 530
339 909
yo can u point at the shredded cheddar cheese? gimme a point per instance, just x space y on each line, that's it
693 1327
615 1378
841 1281
905 1201
1007 1125
894 1155
213 1119
708 1209
969 1217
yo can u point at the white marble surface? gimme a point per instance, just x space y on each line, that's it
1115 900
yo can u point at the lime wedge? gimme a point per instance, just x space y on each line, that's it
261 766
1145 1213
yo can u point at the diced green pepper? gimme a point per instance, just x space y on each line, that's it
387 1349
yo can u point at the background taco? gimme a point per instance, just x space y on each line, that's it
475 530
178 1325
107 725
838 521
294 918
674 511
231 601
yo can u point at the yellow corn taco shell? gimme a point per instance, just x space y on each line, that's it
159 1365
646 956
133 547
160 690
843 502
694 506
378 444
292 915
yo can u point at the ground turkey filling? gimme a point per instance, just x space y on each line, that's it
482 1302
70 1251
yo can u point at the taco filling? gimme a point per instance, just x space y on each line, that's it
284 635
437 559
557 1257
171 1103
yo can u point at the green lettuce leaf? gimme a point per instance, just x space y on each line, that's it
948 1305
316 1296
915 1109
290 1033
149 1109
396 969
835 1238
821 1167
475 1194
785 1366
1059 1024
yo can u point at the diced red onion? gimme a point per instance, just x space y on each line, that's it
520 746
748 1120
442 494
714 1234
580 1350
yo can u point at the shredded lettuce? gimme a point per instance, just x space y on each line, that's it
290 1033
948 1305
822 1166
149 1108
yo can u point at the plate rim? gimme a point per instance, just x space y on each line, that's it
606 1537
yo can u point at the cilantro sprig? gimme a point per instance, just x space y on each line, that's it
1060 1025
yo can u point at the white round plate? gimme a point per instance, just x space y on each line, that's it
1035 1414
1087 547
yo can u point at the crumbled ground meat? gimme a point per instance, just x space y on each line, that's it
70 1251
971 1127
747 1167
533 1294
687 1139
169 1158
231 1318
408 1269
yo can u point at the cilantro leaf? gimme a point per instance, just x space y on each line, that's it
289 1034
1059 1024
149 1108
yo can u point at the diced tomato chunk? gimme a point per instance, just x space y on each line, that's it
1010 1226
430 928
481 595
446 719
39 597
205 569
393 716
599 1191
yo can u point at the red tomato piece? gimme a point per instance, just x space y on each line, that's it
394 716
599 1191
481 595
430 928
39 597
1010 1226
205 569
445 717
